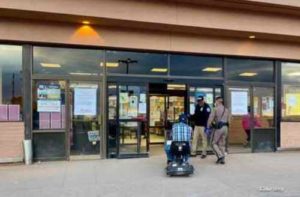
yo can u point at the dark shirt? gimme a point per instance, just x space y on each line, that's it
201 115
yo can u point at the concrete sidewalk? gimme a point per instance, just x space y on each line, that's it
272 174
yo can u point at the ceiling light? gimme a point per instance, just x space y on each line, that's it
84 74
248 74
49 65
176 87
294 74
112 64
86 22
212 69
159 70
252 37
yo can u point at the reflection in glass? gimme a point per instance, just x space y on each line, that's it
11 83
67 61
250 70
198 66
123 62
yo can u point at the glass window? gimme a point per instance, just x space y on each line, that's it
290 109
199 66
250 70
290 72
66 61
10 83
123 62
49 105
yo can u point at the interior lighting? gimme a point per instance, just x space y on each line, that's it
248 74
49 65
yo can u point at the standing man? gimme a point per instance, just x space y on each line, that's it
220 118
200 118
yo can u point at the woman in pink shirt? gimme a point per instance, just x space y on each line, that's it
246 122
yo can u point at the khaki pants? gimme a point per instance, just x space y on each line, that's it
199 131
219 141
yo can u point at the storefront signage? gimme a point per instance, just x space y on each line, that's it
292 101
48 98
239 102
85 101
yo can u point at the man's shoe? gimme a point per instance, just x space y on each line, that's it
222 161
203 156
219 160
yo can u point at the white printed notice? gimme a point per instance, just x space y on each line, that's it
85 101
239 102
48 105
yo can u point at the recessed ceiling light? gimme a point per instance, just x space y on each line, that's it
112 64
294 74
85 22
248 74
252 37
83 74
159 70
211 69
49 65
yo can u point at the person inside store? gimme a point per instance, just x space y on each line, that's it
200 118
181 132
247 121
219 120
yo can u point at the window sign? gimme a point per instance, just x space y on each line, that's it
49 99
267 106
85 101
292 101
239 102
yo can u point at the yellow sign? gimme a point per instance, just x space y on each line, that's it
292 101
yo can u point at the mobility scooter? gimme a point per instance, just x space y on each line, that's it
179 166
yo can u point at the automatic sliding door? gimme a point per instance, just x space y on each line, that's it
132 135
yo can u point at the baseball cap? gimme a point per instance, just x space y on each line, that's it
183 118
200 98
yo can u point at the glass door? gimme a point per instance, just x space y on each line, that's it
239 101
263 123
85 118
132 136
252 123
157 117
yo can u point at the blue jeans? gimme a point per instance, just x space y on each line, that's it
168 152
170 157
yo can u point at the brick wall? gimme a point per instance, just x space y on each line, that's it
290 135
11 139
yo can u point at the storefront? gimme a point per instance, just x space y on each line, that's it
93 91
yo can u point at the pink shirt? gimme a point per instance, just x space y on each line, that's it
247 120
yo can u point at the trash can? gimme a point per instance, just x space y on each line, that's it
27 151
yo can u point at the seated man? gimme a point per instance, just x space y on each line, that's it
181 132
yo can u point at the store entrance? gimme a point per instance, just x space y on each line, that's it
167 102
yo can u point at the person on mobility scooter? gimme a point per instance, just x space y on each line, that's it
178 148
